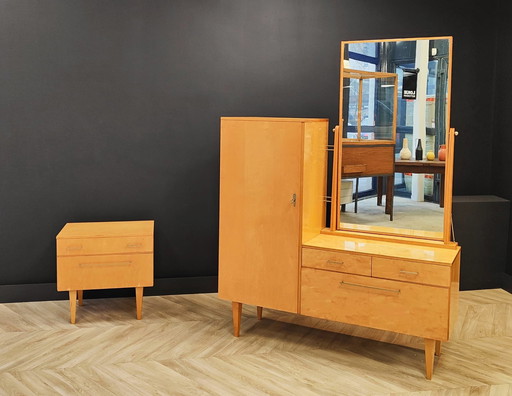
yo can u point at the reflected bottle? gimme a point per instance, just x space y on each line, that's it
419 151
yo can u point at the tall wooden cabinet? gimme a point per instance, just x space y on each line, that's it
272 192
275 252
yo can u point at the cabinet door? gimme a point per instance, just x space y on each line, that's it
259 224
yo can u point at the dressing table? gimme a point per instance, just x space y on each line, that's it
275 247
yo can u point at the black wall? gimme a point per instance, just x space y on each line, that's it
109 110
501 175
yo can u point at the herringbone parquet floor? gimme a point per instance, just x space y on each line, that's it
184 346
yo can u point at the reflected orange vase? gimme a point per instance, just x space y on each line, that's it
441 154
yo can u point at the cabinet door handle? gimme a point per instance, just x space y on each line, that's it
335 262
409 272
343 283
294 200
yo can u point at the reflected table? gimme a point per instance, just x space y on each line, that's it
426 167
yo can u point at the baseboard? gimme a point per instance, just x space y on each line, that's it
163 286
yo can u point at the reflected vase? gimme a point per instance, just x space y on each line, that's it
405 153
441 154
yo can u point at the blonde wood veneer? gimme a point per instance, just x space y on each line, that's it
86 246
275 252
430 347
107 229
410 271
261 210
337 261
442 255
104 255
314 182
401 307
105 271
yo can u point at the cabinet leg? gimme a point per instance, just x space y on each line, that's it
259 311
438 348
237 317
72 305
430 346
80 294
138 301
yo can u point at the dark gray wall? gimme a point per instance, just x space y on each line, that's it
109 110
501 175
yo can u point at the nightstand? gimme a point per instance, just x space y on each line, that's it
105 255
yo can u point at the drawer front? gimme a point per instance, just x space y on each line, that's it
409 271
401 307
104 272
337 261
84 246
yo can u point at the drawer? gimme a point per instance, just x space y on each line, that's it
84 246
104 272
337 261
402 307
410 271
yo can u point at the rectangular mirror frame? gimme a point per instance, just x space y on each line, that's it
335 220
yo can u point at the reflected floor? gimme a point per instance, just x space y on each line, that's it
407 213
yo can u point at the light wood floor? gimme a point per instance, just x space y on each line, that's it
183 346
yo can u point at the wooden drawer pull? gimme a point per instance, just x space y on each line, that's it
343 283
134 245
335 262
111 264
74 247
409 272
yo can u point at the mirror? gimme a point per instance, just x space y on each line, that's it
390 144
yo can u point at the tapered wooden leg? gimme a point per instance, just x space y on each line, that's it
237 317
259 311
438 348
72 305
138 301
80 294
430 347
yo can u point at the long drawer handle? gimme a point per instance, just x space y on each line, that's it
335 262
107 264
409 272
134 245
74 247
342 283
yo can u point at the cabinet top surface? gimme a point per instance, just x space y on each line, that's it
439 255
107 229
274 119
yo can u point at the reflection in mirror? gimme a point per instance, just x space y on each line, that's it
394 109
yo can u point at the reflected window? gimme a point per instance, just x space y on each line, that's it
362 56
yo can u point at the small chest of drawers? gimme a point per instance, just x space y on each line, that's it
105 255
